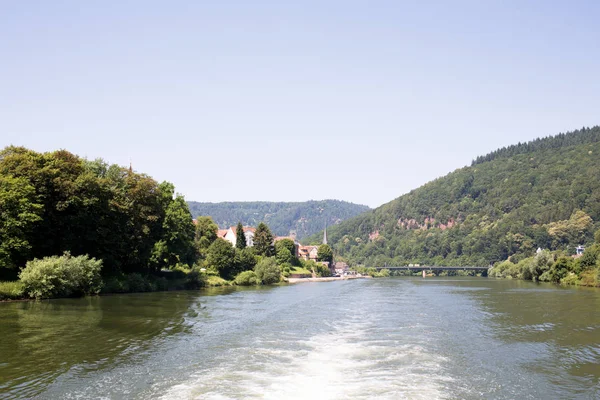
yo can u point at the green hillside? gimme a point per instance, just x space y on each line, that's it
306 218
545 193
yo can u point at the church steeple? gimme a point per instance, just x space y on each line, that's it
325 235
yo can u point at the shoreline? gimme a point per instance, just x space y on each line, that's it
326 279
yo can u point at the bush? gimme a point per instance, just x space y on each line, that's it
384 273
322 270
62 276
138 283
12 290
195 279
267 271
246 278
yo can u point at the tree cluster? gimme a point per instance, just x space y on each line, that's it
57 202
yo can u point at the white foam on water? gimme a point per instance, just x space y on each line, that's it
342 363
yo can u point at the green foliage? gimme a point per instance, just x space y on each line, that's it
246 278
267 271
221 257
240 237
195 279
19 214
263 241
55 202
322 270
244 259
288 256
13 290
324 253
542 194
306 218
541 264
177 243
284 256
383 273
589 258
62 276
206 231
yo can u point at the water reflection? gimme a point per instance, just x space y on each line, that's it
42 340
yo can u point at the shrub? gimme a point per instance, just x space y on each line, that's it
195 279
62 276
246 278
137 283
115 284
384 273
322 270
12 290
267 271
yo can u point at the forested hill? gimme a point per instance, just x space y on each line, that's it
305 218
545 193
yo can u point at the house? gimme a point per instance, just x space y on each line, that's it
308 252
221 233
231 235
341 268
579 250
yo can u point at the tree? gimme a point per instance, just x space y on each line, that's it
221 257
284 256
263 240
207 229
285 252
240 237
267 271
19 213
324 253
177 242
244 259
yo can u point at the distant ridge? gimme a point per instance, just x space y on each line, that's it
306 218
573 138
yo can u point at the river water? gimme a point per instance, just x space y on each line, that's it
397 338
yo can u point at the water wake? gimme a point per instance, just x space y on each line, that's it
346 361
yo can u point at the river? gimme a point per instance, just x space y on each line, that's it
397 338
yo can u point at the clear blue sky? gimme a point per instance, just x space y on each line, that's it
287 101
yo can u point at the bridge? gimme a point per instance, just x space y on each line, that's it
431 268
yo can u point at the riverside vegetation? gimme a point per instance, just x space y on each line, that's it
71 226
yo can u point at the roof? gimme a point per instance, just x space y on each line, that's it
246 229
221 233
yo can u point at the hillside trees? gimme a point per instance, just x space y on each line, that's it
504 206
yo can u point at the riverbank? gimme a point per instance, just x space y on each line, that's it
327 279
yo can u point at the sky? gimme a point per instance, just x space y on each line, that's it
290 101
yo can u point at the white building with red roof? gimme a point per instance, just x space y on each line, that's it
231 235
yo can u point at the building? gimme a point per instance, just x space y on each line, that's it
308 252
579 250
341 268
231 235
